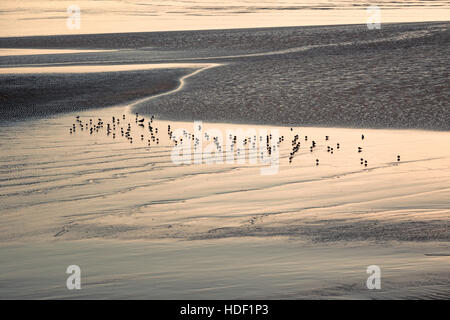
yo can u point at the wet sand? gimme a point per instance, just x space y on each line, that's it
27 17
141 226
221 230
222 269
25 96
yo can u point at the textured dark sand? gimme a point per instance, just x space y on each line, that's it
348 76
331 231
38 95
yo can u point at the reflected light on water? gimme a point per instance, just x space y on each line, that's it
29 17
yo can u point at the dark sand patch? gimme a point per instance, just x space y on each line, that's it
43 94
345 76
331 231
400 82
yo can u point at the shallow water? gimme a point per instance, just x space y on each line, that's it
221 269
94 185
50 17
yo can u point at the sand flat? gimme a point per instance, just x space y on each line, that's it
110 188
142 225
257 268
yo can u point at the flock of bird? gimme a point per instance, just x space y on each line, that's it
235 147
296 147
112 129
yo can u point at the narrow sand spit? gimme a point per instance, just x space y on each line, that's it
27 52
97 68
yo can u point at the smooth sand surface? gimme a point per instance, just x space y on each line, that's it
29 17
142 226
113 188
98 68
255 268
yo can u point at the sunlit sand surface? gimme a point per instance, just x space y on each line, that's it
98 68
28 52
28 17
337 217
110 187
